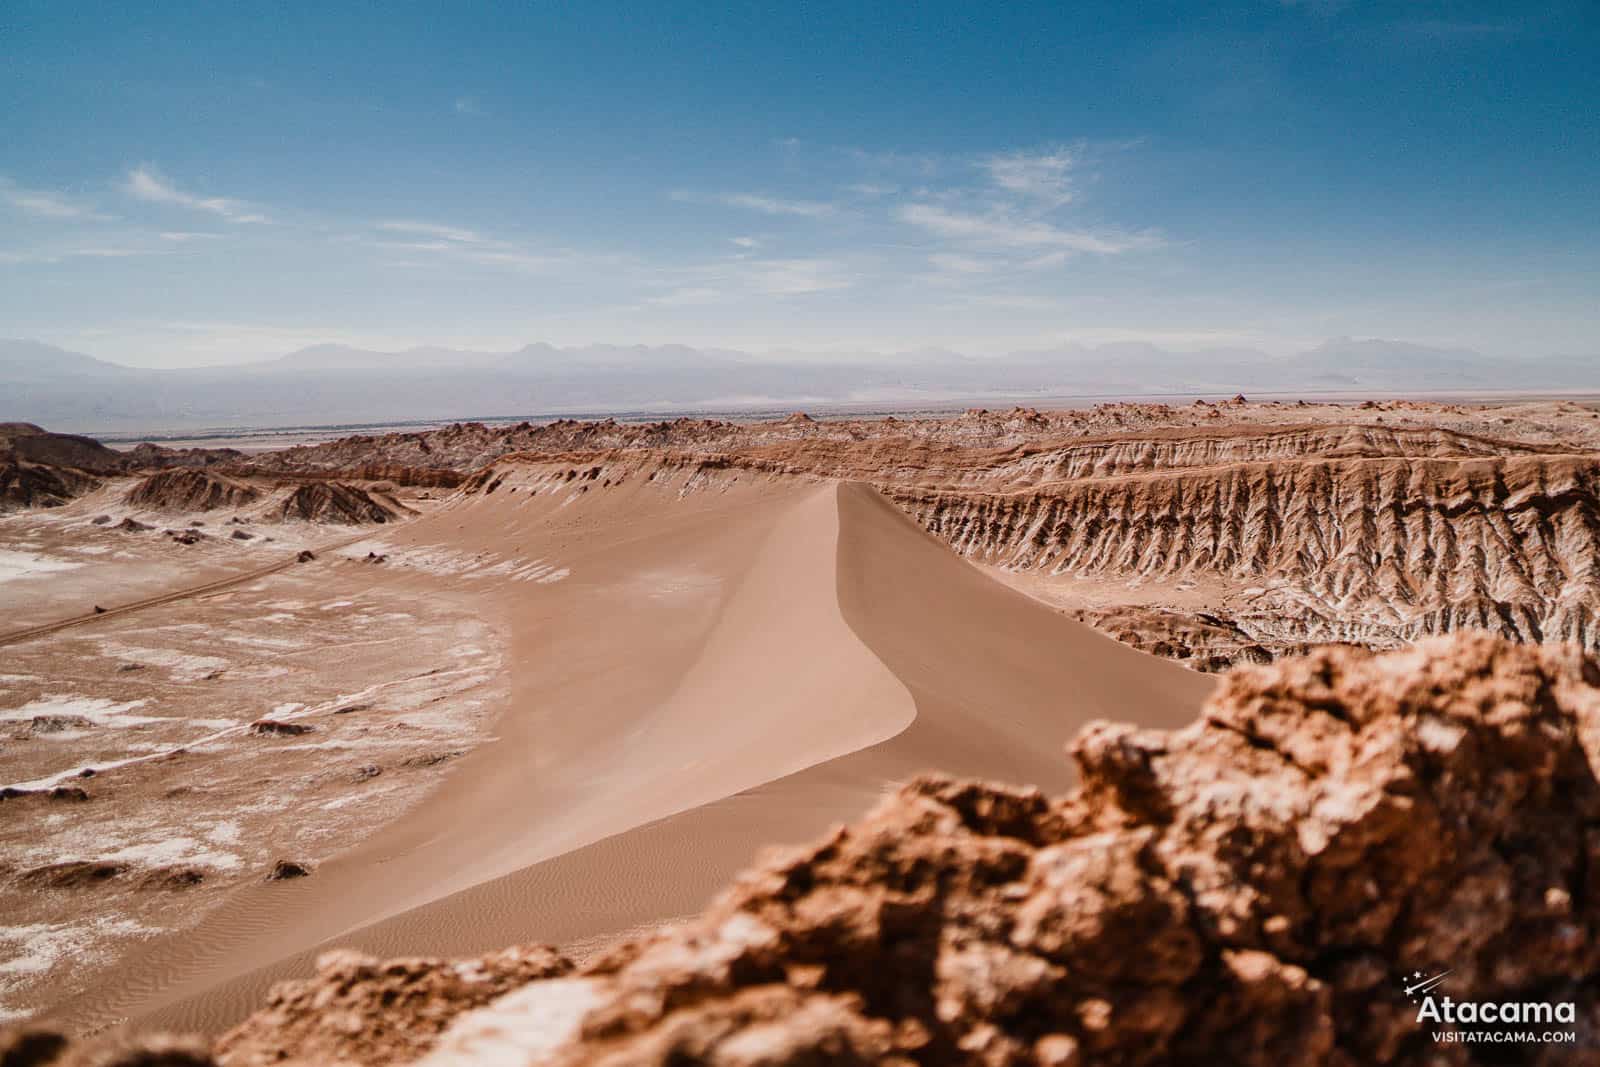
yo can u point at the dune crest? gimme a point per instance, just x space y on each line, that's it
781 652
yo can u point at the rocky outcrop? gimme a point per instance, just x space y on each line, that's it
42 469
278 728
32 444
147 456
1257 888
331 1018
31 1046
1376 551
1202 641
30 485
336 503
182 489
1417 429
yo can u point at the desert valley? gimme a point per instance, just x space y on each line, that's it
438 692
634 534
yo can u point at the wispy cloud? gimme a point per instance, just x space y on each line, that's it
528 260
1038 176
746 242
434 229
959 264
415 246
788 277
43 204
742 278
189 235
767 205
468 105
1046 261
60 255
461 245
872 190
145 183
687 297
1004 231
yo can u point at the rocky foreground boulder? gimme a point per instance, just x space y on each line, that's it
1261 887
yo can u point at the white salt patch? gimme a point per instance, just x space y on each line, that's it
40 946
283 644
330 605
175 850
555 576
91 550
345 802
279 616
287 709
15 565
98 710
223 833
26 952
74 772
182 665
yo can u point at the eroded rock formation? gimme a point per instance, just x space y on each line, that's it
330 1018
29 485
336 502
1375 551
185 489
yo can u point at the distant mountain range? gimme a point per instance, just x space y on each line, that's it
327 384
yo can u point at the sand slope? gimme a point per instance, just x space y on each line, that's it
719 672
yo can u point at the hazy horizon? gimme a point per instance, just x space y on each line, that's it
331 385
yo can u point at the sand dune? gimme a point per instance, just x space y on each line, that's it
713 672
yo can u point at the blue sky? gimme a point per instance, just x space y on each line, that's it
208 183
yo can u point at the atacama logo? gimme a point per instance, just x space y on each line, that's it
1496 1022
